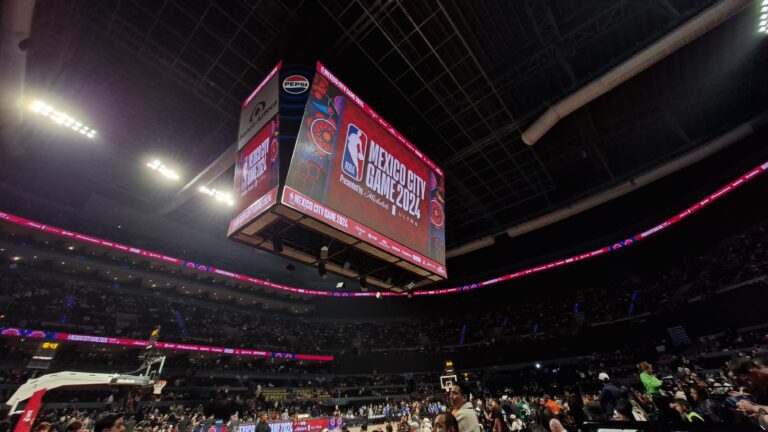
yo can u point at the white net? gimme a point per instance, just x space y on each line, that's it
158 386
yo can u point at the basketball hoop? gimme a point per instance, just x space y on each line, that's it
447 382
157 386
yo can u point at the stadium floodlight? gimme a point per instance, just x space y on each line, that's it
220 196
160 167
61 118
763 24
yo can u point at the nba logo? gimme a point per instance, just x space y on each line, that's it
354 152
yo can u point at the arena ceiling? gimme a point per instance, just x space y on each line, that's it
460 79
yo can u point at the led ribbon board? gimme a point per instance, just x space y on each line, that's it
50 347
719 194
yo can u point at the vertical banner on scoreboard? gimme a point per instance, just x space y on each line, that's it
316 143
436 216
257 165
352 170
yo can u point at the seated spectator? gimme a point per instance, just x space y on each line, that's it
446 422
110 422
703 405
556 426
684 408
551 405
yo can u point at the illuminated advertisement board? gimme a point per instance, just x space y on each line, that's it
353 171
258 164
69 337
722 192
259 108
282 426
310 425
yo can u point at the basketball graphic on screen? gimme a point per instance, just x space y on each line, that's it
436 214
309 177
273 147
319 87
322 132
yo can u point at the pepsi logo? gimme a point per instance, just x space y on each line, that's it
295 84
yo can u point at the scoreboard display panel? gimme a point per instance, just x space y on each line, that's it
353 171
257 164
44 355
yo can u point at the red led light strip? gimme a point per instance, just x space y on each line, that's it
171 346
730 187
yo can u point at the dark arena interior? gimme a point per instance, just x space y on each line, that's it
383 215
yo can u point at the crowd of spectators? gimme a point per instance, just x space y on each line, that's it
679 392
47 300
725 384
674 390
720 378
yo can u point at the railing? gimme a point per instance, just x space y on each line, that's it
614 426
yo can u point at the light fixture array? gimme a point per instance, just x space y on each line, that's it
224 197
62 119
160 167
763 26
